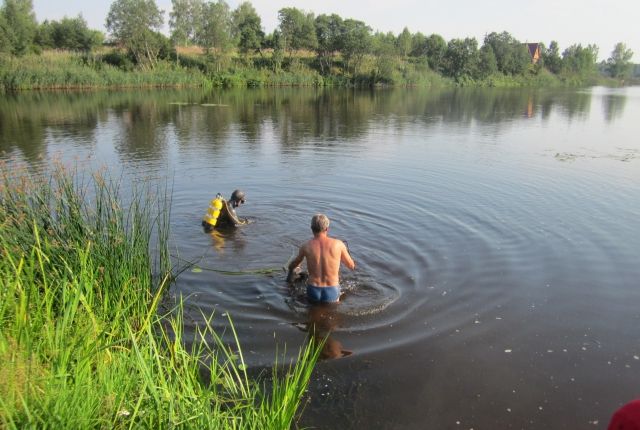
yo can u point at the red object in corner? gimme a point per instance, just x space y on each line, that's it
627 417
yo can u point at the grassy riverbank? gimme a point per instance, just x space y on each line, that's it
82 344
66 70
112 69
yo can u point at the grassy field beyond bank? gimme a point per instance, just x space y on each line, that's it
81 342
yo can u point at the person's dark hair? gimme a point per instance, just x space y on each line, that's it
238 196
319 223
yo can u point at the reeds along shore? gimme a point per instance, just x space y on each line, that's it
53 70
82 344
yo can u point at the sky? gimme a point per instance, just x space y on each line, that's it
603 23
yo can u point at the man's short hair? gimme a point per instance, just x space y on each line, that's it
319 223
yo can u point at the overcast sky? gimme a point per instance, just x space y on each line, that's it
568 21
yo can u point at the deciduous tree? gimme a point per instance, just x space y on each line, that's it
297 29
355 42
512 56
19 25
580 60
435 48
328 31
461 59
5 34
488 64
134 24
247 27
418 45
403 42
383 44
184 20
619 64
551 58
68 33
216 26
274 41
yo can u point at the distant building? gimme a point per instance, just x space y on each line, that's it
534 51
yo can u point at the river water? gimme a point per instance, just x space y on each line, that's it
496 234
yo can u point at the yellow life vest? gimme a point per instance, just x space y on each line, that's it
213 212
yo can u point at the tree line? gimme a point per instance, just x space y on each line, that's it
333 42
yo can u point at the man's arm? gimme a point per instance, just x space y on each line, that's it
346 259
231 214
295 263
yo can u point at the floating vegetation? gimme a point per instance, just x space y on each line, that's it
624 155
565 156
197 268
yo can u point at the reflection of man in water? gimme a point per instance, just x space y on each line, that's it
227 216
324 255
322 321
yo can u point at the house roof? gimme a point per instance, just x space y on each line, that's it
533 47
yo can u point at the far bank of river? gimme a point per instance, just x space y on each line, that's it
54 70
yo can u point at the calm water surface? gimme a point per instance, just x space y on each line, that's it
496 233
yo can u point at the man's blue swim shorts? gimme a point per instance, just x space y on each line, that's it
323 294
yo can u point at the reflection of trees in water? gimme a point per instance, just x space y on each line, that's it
480 105
576 104
545 106
141 135
23 135
26 119
322 115
245 108
501 106
613 105
147 121
144 123
570 104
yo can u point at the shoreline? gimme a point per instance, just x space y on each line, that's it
62 70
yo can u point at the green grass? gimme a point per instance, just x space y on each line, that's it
82 344
65 70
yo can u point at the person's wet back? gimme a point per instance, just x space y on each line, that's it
323 256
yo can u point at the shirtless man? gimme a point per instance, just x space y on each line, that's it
323 255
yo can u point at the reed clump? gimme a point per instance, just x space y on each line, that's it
66 70
82 344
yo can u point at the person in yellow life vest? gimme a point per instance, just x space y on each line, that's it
222 213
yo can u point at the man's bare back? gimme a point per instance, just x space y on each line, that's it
324 255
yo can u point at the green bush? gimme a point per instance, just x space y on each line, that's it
118 59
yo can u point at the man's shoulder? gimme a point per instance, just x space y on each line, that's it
337 242
310 245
